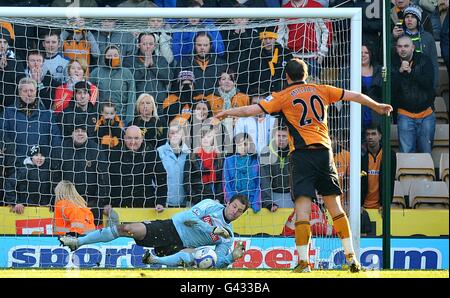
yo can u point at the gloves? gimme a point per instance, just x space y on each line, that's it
238 251
222 232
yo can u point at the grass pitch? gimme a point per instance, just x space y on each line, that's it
230 273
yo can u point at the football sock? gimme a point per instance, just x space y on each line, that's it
302 238
102 235
342 227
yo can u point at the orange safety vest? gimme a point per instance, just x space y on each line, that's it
69 217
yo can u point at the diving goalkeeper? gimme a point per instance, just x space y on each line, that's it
206 223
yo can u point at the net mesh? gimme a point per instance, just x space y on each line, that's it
94 78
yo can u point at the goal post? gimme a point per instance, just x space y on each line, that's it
354 15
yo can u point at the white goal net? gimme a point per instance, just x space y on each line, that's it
72 82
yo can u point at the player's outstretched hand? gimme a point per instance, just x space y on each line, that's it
384 109
222 232
238 251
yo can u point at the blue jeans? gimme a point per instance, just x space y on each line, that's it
416 135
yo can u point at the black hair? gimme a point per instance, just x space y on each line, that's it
242 198
374 126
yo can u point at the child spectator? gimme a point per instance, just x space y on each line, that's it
109 127
203 170
64 93
147 120
241 172
30 184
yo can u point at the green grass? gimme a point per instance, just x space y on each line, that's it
231 273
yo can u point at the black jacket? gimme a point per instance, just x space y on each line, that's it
138 178
365 180
29 185
85 166
9 78
413 92
375 90
260 73
195 189
72 115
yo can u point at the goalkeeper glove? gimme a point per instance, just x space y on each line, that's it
238 251
222 232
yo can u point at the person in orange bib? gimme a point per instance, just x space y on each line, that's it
72 216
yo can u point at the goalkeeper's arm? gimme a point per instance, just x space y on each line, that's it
224 258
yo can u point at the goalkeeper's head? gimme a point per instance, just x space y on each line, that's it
237 205
296 70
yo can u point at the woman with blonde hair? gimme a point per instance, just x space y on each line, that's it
72 216
147 120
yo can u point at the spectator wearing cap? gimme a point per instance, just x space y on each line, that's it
423 41
80 110
28 123
267 63
179 103
205 64
81 162
151 72
29 184
397 17
64 93
115 83
11 71
413 97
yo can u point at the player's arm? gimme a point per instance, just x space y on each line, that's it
246 111
380 108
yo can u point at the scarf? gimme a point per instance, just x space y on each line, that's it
227 98
207 166
273 62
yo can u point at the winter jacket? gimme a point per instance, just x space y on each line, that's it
274 173
154 79
30 185
206 72
242 179
73 115
64 96
195 189
413 92
27 128
155 133
183 42
261 77
116 85
9 78
138 178
174 166
85 166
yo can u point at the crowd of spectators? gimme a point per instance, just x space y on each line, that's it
127 117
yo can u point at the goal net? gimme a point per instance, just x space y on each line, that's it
119 102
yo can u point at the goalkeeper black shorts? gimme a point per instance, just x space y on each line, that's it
311 170
162 235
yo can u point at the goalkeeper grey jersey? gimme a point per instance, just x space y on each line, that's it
204 217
